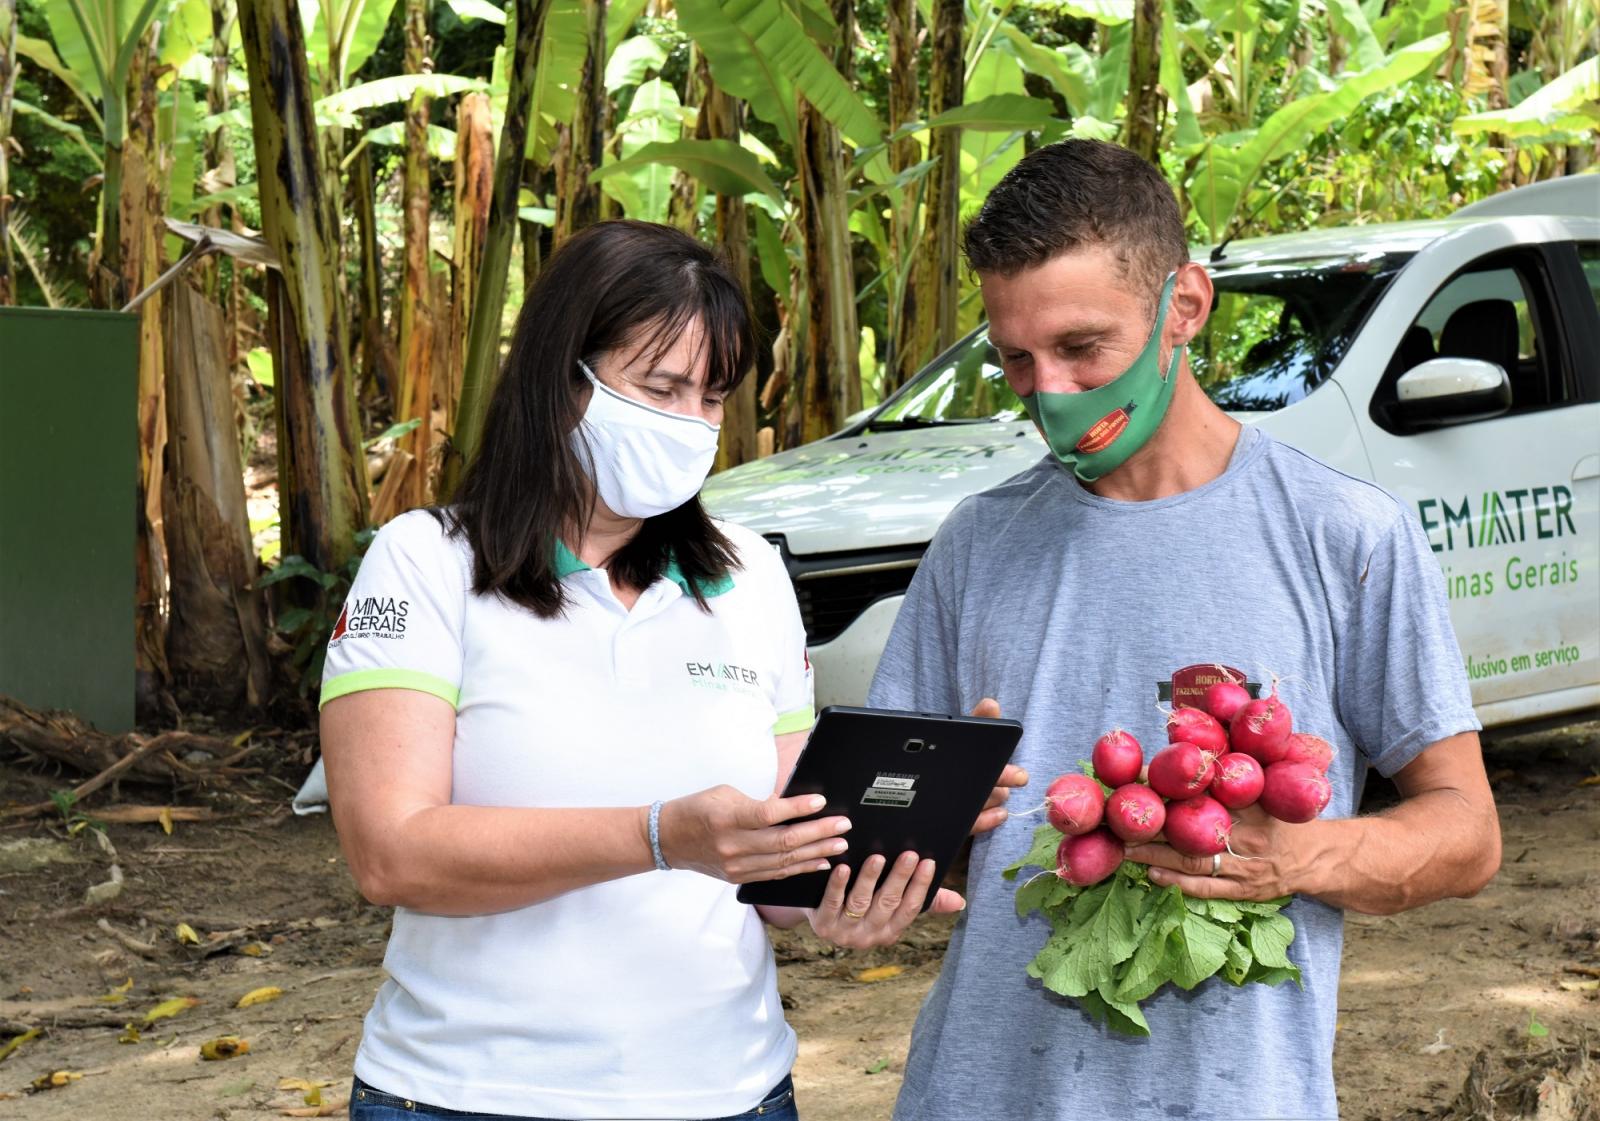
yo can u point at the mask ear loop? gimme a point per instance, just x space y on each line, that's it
1169 286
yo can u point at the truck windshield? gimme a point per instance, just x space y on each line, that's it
1275 333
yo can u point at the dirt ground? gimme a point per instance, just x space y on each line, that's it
1481 1008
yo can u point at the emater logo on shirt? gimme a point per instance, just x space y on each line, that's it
722 676
372 617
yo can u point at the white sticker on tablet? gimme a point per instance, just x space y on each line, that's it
890 789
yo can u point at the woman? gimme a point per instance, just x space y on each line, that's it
555 718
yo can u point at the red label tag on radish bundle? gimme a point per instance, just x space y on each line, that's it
1104 432
1188 685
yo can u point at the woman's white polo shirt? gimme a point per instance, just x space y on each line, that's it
649 996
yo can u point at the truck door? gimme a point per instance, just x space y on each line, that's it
1511 503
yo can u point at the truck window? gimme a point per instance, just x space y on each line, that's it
1589 256
1497 311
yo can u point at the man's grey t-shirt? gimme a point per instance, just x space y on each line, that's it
1080 614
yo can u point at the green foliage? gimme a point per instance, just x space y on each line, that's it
1117 943
319 597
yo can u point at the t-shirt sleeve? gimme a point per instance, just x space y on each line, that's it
1401 683
793 687
917 671
400 627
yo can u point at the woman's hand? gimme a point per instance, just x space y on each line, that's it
725 834
876 915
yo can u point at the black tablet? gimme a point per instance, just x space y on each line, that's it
912 781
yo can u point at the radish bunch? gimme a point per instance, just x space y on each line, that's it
1235 752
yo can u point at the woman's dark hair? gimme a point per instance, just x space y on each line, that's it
616 283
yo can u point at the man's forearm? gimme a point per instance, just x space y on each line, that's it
1402 858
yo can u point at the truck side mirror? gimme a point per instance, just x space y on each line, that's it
1445 391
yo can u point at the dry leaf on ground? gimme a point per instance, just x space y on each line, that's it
881 973
170 1008
259 996
224 1047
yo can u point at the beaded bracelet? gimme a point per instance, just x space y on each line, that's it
655 838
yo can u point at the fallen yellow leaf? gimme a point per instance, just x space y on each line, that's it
166 820
259 996
241 738
130 1034
118 994
185 934
170 1008
881 973
1592 780
18 1041
223 1047
254 950
313 1096
55 1079
303 1084
1580 986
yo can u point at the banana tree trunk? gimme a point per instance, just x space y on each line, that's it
1144 68
220 172
377 348
8 85
905 106
474 189
578 200
489 297
217 637
720 118
140 207
937 283
683 205
322 475
416 313
831 371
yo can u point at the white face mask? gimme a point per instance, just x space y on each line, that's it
646 461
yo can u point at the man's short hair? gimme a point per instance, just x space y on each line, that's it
1076 194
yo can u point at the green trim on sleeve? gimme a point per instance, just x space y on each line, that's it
363 679
799 720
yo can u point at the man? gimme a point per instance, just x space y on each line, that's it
1159 536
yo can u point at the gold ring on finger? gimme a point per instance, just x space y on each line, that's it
849 914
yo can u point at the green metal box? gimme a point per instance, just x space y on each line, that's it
68 475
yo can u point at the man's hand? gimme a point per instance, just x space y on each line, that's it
1442 840
1269 855
994 811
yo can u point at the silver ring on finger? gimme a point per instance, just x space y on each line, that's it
1216 863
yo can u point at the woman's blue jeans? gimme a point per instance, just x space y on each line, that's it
368 1103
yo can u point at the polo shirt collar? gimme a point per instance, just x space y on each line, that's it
567 563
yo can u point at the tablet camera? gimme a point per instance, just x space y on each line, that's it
915 745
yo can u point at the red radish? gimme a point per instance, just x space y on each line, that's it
1135 813
1075 804
1181 771
1261 728
1295 792
1239 780
1224 699
1198 826
1117 758
1303 747
1089 858
1190 725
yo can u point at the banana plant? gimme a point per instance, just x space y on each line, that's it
1230 167
96 41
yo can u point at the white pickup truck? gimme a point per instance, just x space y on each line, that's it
1456 363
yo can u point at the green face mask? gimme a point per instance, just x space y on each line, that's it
1096 431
